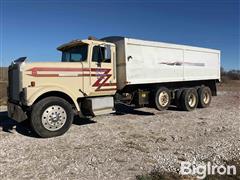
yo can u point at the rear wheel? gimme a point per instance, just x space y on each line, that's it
51 117
205 97
189 99
162 98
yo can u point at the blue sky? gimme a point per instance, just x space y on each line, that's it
35 28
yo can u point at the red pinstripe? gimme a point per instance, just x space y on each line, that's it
105 76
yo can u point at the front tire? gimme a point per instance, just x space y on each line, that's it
162 98
189 99
51 116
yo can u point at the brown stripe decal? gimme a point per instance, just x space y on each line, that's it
102 74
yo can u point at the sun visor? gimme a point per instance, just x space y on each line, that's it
70 44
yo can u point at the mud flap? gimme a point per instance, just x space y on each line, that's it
16 112
86 107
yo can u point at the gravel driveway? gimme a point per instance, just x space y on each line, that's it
122 146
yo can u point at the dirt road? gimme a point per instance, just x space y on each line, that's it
125 145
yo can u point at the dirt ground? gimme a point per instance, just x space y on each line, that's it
124 145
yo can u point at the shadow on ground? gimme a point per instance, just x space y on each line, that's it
8 125
82 121
122 109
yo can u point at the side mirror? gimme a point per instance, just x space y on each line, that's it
99 63
100 55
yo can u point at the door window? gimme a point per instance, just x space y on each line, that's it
101 54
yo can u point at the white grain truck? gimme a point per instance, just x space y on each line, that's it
94 74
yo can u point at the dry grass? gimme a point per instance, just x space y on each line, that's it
156 175
3 101
230 85
3 92
3 74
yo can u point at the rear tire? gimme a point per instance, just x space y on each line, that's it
162 98
189 99
205 97
51 117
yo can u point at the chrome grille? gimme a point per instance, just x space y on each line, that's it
14 84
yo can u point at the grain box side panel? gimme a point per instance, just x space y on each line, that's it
152 63
201 65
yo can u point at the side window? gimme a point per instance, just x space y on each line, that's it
101 54
75 54
75 57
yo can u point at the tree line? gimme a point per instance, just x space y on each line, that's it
230 75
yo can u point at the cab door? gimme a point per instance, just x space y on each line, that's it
103 70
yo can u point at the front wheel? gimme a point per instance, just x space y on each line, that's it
51 117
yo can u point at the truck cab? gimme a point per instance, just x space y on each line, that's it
95 63
85 76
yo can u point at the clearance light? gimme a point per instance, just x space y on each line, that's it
32 83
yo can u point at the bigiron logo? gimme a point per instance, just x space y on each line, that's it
202 170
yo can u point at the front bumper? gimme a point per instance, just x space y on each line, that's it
16 112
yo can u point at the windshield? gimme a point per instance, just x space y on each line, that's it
75 54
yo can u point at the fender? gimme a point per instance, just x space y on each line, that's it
35 92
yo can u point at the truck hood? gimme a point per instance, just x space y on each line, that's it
51 67
22 63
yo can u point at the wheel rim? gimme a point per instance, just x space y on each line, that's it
163 99
192 100
54 117
206 98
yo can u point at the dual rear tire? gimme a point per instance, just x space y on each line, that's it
186 99
192 98
189 99
205 97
